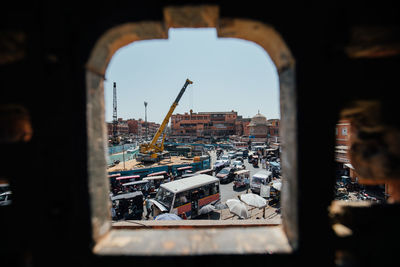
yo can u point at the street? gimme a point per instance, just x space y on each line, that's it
227 192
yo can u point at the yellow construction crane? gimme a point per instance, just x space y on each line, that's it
152 152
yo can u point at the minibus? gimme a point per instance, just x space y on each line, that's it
186 197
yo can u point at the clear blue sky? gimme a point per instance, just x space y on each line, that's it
227 74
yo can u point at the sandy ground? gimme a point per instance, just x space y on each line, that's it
133 164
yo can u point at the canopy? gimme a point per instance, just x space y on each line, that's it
167 217
128 177
262 174
348 165
242 172
206 209
237 207
275 164
184 168
137 182
253 200
204 171
153 178
157 173
127 195
277 185
219 164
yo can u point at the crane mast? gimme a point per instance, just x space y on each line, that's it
115 118
153 148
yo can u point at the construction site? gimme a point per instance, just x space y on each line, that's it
152 154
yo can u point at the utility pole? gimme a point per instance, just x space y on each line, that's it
145 119
115 117
123 154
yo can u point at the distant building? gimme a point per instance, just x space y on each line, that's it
259 126
273 130
204 124
342 134
132 126
122 127
242 126
342 147
208 125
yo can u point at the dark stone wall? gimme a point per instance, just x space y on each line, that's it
43 51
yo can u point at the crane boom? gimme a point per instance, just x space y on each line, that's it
153 147
169 114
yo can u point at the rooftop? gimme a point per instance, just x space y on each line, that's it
190 182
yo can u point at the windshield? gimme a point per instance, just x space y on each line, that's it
165 197
237 163
224 171
225 157
258 181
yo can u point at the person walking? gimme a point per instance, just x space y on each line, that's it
148 207
247 183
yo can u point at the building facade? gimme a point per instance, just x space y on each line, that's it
273 130
135 127
221 125
342 147
259 126
204 124
122 127
242 126
342 134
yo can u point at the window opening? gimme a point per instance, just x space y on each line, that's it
227 74
97 65
365 186
356 144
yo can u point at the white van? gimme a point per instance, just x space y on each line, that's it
262 177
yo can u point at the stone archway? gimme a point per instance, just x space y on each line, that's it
188 17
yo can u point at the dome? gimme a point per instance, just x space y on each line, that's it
258 119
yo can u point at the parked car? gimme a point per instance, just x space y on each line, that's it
240 158
239 154
238 165
226 174
218 166
231 155
226 160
